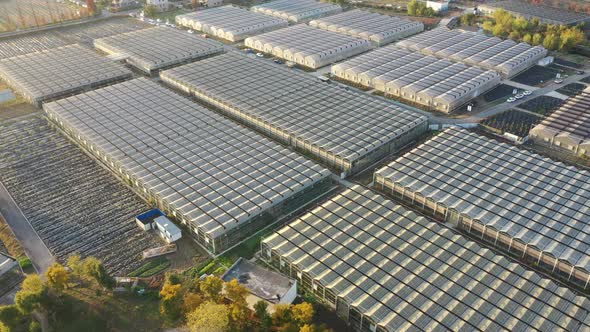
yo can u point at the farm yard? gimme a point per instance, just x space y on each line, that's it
23 14
502 91
74 205
538 76
572 89
542 105
512 121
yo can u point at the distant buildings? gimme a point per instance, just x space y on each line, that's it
438 5
161 5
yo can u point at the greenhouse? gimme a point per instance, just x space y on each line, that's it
546 14
425 80
58 72
10 47
504 56
221 180
230 23
384 268
150 50
380 29
346 130
529 206
567 128
307 46
297 10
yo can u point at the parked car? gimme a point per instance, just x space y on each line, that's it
580 72
260 55
248 51
558 81
527 92
511 100
519 96
278 61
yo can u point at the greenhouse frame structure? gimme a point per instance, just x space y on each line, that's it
219 179
504 56
230 23
346 130
297 11
426 80
526 205
58 72
568 128
150 50
307 46
377 28
384 268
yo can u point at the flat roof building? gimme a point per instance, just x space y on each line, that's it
150 50
297 10
54 73
269 286
230 23
425 80
214 176
385 268
568 127
307 46
524 204
346 130
377 28
546 14
504 56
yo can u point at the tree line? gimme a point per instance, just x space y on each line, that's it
552 37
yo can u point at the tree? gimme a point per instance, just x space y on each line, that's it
236 292
239 316
570 38
190 302
282 314
551 41
527 38
33 294
209 317
150 11
260 309
170 303
212 287
74 262
302 313
520 24
57 277
537 39
35 326
468 19
514 35
10 318
412 7
488 26
93 268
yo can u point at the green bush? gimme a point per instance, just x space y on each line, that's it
219 270
25 263
150 268
207 268
35 326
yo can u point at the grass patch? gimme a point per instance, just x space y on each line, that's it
512 121
502 91
151 268
572 89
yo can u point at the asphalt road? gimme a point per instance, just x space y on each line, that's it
24 232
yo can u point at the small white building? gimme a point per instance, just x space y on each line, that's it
210 3
157 220
161 5
438 6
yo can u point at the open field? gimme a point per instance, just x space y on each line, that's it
538 76
572 89
512 121
72 203
543 105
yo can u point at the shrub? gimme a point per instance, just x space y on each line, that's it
25 263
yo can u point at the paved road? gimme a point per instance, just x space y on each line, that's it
24 232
